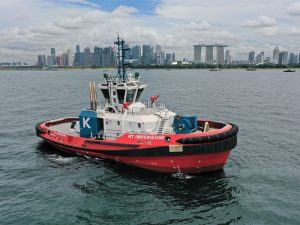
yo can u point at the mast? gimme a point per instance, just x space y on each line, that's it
121 59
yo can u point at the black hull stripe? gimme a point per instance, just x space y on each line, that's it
201 149
39 130
211 138
112 144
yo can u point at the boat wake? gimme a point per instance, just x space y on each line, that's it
61 159
182 176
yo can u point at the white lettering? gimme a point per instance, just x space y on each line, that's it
146 137
85 122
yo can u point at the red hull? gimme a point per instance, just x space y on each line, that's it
152 152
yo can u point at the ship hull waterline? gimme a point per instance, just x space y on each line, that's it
165 153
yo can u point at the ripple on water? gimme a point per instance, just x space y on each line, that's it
259 184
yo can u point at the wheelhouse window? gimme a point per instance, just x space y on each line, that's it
130 95
105 93
139 94
121 94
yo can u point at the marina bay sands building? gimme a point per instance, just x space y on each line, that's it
209 53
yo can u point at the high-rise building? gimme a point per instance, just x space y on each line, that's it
147 55
276 55
77 48
173 57
220 55
52 51
136 54
283 58
65 59
158 60
291 58
159 56
98 56
88 56
260 58
295 60
60 60
49 60
197 53
41 60
108 57
251 57
169 59
70 58
209 57
228 57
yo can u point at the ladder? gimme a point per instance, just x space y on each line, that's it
162 126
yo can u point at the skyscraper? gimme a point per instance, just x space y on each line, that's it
251 57
147 54
77 48
295 60
98 56
291 58
260 58
70 57
88 58
41 60
209 57
220 55
173 57
79 57
158 55
276 55
197 53
228 57
136 54
108 57
52 51
283 58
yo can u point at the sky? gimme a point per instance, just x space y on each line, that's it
31 27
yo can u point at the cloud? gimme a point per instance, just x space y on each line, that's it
32 27
81 2
124 11
268 31
294 9
197 26
82 21
261 21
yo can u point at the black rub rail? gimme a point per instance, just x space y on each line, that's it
210 138
39 130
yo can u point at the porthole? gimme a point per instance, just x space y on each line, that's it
167 139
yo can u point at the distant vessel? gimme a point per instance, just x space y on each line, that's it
215 69
289 70
251 69
145 135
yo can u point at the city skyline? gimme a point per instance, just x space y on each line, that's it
149 55
28 27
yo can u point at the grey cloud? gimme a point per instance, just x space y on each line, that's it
261 21
294 9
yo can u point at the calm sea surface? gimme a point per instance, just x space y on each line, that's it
260 183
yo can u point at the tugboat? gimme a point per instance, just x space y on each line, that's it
141 134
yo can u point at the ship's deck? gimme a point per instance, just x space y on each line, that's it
65 129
